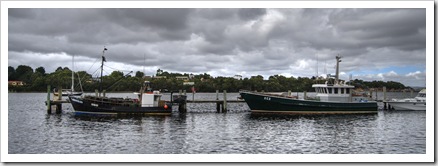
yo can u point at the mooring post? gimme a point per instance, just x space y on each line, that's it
289 92
412 93
193 95
96 92
224 107
103 93
58 106
305 95
185 93
180 92
217 94
49 106
384 98
59 93
218 107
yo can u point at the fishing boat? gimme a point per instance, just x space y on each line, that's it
334 98
69 92
410 104
148 102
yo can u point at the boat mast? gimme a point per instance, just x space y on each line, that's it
101 69
338 59
72 74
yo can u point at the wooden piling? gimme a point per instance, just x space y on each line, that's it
185 93
384 94
217 94
104 93
59 92
219 104
96 92
58 107
289 92
49 107
224 106
305 95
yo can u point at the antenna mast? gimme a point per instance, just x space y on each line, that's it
317 66
338 59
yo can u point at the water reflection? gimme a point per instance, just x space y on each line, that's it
203 131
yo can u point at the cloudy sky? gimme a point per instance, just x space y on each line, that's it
376 44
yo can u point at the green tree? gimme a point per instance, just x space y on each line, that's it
11 73
139 74
24 73
40 70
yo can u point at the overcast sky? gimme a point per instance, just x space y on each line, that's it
376 44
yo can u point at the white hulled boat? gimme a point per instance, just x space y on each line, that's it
415 104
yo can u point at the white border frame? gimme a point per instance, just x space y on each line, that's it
428 157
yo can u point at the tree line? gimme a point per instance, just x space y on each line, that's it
37 81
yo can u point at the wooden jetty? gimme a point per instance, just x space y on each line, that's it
56 102
221 105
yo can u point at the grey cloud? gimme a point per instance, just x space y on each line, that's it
250 13
246 40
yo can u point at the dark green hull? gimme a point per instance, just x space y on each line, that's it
265 103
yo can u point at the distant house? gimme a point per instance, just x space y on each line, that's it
237 77
15 83
160 77
188 83
182 78
191 76
147 77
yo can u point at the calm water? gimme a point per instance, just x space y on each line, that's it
203 131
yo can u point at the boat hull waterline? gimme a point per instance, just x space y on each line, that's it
265 103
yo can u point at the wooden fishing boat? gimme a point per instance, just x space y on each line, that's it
148 102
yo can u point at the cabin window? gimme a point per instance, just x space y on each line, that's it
342 90
329 90
336 90
347 91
